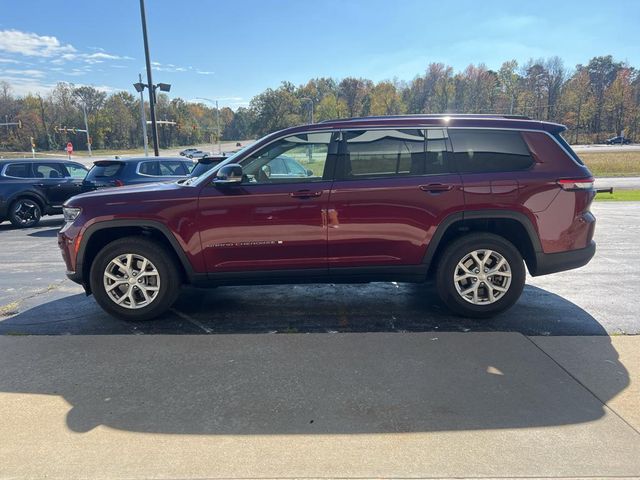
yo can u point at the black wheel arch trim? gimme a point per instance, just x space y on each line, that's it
489 214
31 195
151 224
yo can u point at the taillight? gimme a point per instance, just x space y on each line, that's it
576 183
118 183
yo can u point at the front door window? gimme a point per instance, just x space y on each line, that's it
294 159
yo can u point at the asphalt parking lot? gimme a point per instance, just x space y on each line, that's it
37 299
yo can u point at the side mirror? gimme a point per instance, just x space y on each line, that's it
228 175
309 173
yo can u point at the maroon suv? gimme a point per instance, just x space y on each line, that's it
465 199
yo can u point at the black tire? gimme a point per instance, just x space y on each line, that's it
169 275
25 213
456 252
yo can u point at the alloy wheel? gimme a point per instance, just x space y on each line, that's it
26 212
131 281
482 277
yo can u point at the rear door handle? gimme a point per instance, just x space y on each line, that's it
436 187
305 194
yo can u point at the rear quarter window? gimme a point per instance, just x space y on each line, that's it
18 170
568 148
480 151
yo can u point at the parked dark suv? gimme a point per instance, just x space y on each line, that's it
136 170
467 200
30 189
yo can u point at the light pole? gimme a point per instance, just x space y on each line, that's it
143 119
214 102
86 127
139 86
83 102
310 100
152 91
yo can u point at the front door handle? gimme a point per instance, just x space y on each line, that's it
436 187
305 194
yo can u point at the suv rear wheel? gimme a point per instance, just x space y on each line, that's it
480 275
134 278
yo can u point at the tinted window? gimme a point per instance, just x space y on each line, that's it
203 167
294 168
383 153
76 171
568 148
269 165
49 170
489 150
172 168
19 170
149 168
105 170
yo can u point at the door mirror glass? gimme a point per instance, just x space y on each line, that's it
229 175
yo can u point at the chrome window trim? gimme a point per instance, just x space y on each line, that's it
206 178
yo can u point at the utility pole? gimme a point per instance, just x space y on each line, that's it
86 128
152 107
310 100
143 119
218 126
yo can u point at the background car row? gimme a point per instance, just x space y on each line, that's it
30 189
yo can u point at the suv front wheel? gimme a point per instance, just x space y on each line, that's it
480 275
134 278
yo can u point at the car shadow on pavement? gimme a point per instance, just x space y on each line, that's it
56 221
48 233
451 374
374 307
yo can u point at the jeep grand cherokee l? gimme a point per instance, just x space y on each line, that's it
468 200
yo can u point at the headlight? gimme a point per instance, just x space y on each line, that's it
70 213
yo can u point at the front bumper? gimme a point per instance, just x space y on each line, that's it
557 262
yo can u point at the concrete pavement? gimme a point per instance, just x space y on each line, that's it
410 405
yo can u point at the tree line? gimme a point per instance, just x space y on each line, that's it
595 101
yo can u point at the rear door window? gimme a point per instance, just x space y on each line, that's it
76 171
387 153
149 168
480 151
49 170
172 168
18 170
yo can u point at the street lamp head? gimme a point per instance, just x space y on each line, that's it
164 87
139 86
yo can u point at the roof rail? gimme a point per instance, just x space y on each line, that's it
429 115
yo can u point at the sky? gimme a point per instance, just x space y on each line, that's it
232 50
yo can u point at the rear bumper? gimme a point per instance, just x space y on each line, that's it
558 262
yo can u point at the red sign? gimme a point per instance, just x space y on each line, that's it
69 147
